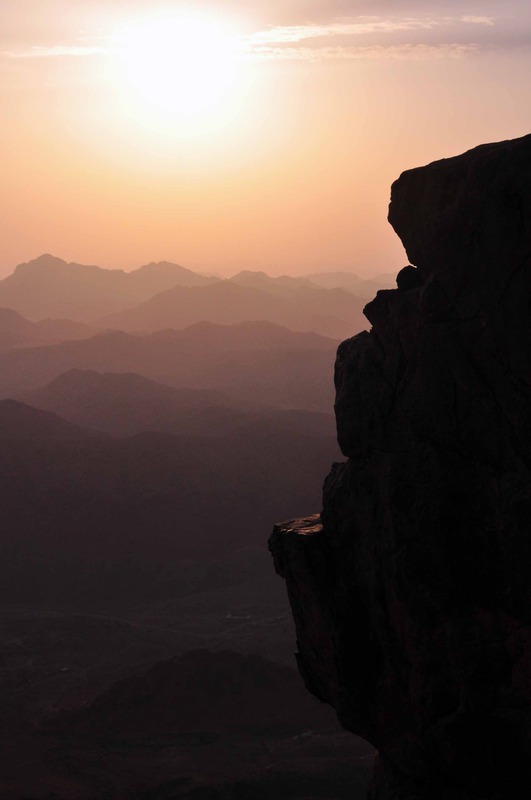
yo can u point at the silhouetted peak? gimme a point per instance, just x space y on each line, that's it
47 258
164 267
45 261
247 274
165 274
51 287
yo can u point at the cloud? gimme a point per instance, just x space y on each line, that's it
411 52
56 51
370 37
417 36
478 20
364 25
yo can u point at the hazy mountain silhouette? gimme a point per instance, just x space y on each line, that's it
206 691
245 336
282 286
87 515
362 287
256 362
50 287
332 312
21 421
200 725
16 330
139 489
126 404
165 295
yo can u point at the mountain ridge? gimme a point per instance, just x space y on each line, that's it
329 312
49 286
293 372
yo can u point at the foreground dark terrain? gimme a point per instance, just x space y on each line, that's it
217 724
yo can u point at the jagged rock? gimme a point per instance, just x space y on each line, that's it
411 593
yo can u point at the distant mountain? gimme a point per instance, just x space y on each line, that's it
126 404
206 691
16 330
253 362
90 516
333 312
21 421
160 275
50 287
363 287
246 336
282 286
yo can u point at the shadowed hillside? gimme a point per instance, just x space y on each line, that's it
21 421
205 691
88 516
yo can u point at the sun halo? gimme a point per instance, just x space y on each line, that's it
180 65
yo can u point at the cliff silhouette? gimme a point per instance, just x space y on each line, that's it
411 591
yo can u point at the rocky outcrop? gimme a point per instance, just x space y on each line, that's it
411 591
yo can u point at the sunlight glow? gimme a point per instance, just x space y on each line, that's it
180 65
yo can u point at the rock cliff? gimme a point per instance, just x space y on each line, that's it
411 591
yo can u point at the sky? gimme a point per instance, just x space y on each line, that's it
229 135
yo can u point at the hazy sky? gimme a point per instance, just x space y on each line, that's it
224 135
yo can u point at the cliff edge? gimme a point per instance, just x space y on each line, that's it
411 591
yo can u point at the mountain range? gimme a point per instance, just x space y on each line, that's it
125 404
16 330
256 362
165 295
153 425
50 287
94 517
329 312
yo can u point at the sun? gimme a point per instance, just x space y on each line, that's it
180 64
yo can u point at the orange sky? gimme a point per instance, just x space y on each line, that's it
288 171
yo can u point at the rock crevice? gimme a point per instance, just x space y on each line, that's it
411 591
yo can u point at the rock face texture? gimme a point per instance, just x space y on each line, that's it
411 591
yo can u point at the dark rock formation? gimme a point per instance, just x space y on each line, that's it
412 591
408 278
